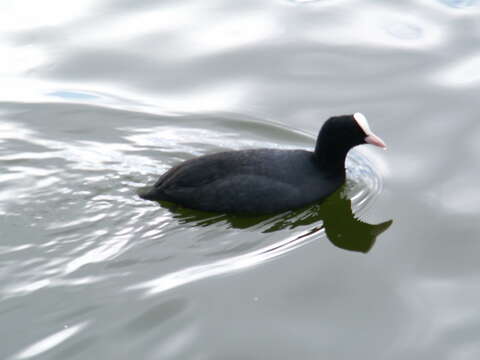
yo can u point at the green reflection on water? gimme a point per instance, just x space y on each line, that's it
334 215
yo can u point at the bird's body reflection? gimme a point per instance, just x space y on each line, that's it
334 216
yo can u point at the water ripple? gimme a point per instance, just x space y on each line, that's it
50 341
84 216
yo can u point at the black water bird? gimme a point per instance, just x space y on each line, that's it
265 181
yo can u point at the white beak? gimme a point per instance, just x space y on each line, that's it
375 140
371 137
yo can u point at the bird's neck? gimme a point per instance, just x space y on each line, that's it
331 157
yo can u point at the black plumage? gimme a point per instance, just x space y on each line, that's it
263 181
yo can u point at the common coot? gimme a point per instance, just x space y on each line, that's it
265 181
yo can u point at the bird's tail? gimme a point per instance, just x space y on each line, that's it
147 193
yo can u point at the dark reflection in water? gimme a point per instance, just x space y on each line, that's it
334 216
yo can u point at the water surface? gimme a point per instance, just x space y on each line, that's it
99 98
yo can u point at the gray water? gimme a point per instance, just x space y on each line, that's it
98 98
